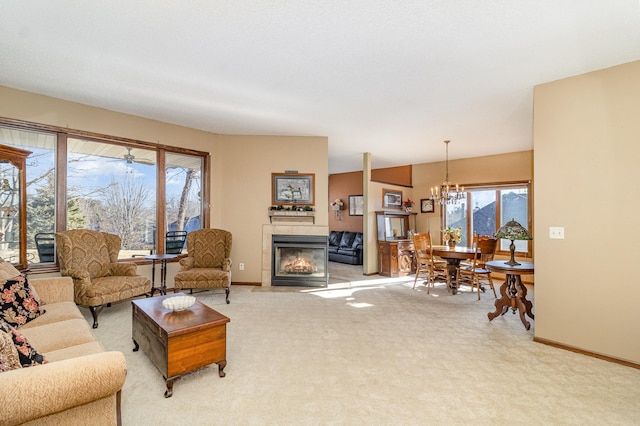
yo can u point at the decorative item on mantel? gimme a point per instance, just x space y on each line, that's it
447 192
512 230
292 213
452 236
408 204
337 206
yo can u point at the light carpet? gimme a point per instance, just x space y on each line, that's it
374 352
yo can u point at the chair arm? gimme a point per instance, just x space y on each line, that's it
187 263
77 274
53 289
33 392
122 269
226 264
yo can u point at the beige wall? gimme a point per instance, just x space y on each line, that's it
246 164
587 174
241 165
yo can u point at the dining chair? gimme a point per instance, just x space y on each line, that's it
485 249
427 263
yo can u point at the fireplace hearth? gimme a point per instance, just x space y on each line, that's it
299 260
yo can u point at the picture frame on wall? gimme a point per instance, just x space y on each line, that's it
426 205
391 199
356 205
293 188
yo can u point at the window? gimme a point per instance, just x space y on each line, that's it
488 207
83 180
41 184
111 188
183 186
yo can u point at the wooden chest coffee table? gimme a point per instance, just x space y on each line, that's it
179 342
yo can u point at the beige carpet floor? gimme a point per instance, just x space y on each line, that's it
372 351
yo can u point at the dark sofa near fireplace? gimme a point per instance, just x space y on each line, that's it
345 247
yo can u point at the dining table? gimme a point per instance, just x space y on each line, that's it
453 256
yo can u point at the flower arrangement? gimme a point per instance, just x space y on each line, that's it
408 203
452 234
337 204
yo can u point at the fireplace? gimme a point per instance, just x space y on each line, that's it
299 260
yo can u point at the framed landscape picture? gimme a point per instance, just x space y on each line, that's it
356 205
391 199
289 188
426 205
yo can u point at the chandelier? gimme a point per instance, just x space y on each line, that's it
447 192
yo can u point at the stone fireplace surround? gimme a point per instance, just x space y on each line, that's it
268 230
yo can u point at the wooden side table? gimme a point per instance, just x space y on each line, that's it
163 271
513 292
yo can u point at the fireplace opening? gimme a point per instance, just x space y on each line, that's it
299 260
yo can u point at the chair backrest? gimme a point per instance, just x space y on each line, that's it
485 250
45 244
423 248
86 250
209 247
174 241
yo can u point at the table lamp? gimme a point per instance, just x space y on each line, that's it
512 230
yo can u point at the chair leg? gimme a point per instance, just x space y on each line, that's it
415 280
227 290
492 287
95 310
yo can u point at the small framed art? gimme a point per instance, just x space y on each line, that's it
391 199
288 188
426 205
356 205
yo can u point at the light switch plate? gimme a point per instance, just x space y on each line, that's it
556 232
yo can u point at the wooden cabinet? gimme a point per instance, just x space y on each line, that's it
395 247
395 258
13 206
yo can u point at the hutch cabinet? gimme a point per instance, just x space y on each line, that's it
395 247
13 206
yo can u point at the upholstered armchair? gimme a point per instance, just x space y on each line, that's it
90 258
208 262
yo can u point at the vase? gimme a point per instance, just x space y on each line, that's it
408 209
452 244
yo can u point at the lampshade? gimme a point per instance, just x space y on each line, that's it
512 230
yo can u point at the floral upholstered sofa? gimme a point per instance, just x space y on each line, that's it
52 369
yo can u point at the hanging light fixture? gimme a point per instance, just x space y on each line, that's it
447 192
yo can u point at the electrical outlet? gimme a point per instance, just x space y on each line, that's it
556 232
241 266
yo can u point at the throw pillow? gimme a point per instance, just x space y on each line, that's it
27 355
18 305
9 359
8 269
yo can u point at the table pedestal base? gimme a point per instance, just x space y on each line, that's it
452 270
514 296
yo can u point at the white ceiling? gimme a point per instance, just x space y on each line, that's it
390 77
